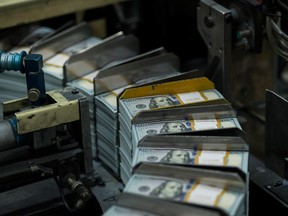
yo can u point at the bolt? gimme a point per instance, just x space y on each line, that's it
33 94
75 91
70 181
278 183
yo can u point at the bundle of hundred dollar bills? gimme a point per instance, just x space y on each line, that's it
224 190
197 90
205 150
130 204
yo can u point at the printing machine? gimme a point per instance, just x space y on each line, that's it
45 157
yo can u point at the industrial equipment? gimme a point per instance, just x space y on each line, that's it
45 145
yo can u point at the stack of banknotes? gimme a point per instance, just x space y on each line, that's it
107 129
177 189
181 143
178 113
130 153
231 151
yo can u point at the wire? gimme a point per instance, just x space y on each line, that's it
283 4
277 38
49 172
273 14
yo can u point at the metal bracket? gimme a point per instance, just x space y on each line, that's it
215 27
276 147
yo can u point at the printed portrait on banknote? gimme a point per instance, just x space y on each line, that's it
168 189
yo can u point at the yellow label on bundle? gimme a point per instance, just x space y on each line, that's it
175 87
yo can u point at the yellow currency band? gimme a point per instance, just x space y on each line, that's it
174 87
203 95
186 198
196 160
179 99
218 123
226 157
192 125
217 200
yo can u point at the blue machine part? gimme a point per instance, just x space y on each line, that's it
31 65
12 61
20 140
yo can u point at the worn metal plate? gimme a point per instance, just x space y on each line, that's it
276 132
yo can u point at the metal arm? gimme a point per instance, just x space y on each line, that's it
31 65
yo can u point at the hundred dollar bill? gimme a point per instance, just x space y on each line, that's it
192 156
131 204
107 129
110 98
124 174
134 105
126 147
140 130
124 211
187 191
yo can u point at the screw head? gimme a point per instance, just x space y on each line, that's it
75 91
33 94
